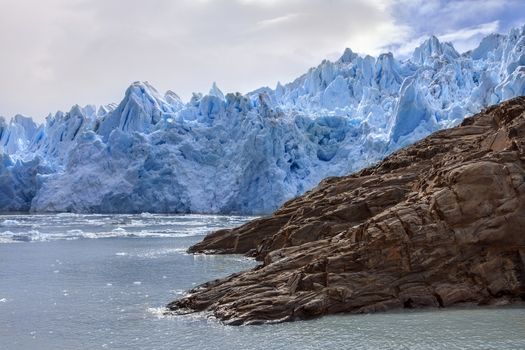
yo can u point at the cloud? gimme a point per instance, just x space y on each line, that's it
277 20
59 52
469 32
463 39
432 16
62 52
469 38
462 22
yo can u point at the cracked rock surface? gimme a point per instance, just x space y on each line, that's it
439 223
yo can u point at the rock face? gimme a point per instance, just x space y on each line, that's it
436 224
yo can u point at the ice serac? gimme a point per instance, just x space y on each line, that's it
233 153
432 50
436 224
15 137
19 182
411 111
140 110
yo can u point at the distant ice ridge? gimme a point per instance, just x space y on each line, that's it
249 153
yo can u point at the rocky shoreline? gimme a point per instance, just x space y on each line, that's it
436 224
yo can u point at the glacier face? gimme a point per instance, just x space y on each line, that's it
249 153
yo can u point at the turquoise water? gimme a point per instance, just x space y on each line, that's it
100 282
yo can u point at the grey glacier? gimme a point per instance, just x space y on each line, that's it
249 153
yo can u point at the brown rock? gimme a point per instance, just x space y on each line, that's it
439 223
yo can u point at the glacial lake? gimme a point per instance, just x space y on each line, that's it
101 281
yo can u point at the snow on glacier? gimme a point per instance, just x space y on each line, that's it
249 153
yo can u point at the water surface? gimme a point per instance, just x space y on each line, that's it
100 281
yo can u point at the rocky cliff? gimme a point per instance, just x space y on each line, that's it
435 224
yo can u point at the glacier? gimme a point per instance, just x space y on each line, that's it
235 153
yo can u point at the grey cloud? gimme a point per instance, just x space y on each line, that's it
62 52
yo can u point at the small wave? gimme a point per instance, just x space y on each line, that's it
119 230
183 315
75 232
31 235
67 215
159 312
36 236
70 226
165 313
178 292
9 222
22 238
156 253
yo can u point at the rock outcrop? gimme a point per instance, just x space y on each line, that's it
439 223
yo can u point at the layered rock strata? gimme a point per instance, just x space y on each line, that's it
436 224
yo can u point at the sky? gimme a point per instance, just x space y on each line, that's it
57 53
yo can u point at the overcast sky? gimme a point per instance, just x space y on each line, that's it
56 53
